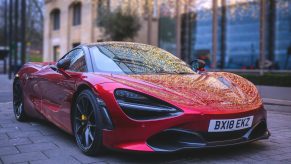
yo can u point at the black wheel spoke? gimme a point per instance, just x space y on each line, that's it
87 137
19 109
84 106
90 114
91 135
92 126
79 109
84 122
79 120
78 129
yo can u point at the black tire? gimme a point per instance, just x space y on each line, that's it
18 106
87 125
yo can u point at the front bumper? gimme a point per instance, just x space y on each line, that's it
143 135
176 139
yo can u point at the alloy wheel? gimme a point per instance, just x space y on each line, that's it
17 100
85 123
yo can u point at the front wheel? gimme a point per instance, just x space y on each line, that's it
87 126
18 106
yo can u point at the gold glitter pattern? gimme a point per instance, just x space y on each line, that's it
135 58
231 93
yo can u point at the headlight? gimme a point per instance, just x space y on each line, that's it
143 107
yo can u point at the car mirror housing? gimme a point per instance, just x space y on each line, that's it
64 63
198 65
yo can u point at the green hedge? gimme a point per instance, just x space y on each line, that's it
35 58
271 79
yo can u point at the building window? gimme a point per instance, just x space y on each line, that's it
56 50
75 44
55 15
76 14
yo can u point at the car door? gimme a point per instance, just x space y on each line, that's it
32 94
58 87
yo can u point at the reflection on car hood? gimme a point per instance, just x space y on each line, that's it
219 90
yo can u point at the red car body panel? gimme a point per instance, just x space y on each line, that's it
50 95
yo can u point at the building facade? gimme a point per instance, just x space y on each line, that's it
238 43
184 28
239 31
68 23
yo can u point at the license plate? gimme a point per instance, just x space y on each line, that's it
225 125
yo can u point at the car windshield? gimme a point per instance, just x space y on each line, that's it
131 58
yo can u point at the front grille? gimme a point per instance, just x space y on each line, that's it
222 136
173 139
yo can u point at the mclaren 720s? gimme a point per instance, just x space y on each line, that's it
137 97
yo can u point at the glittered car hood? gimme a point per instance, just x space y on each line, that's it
220 89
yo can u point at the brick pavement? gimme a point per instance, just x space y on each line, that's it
41 142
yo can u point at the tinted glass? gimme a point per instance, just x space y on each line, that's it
78 62
136 59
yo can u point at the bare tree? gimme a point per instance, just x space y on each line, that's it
34 22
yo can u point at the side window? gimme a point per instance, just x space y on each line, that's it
78 61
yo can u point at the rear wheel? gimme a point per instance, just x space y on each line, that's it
86 123
18 106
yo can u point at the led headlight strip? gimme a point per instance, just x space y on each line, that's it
143 107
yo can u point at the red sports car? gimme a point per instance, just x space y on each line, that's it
131 96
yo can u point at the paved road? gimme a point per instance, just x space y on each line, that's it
281 93
41 142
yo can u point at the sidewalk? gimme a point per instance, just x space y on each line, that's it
1 66
5 88
275 95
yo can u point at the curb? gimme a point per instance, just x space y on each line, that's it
276 102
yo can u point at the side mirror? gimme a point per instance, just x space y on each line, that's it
198 65
64 64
